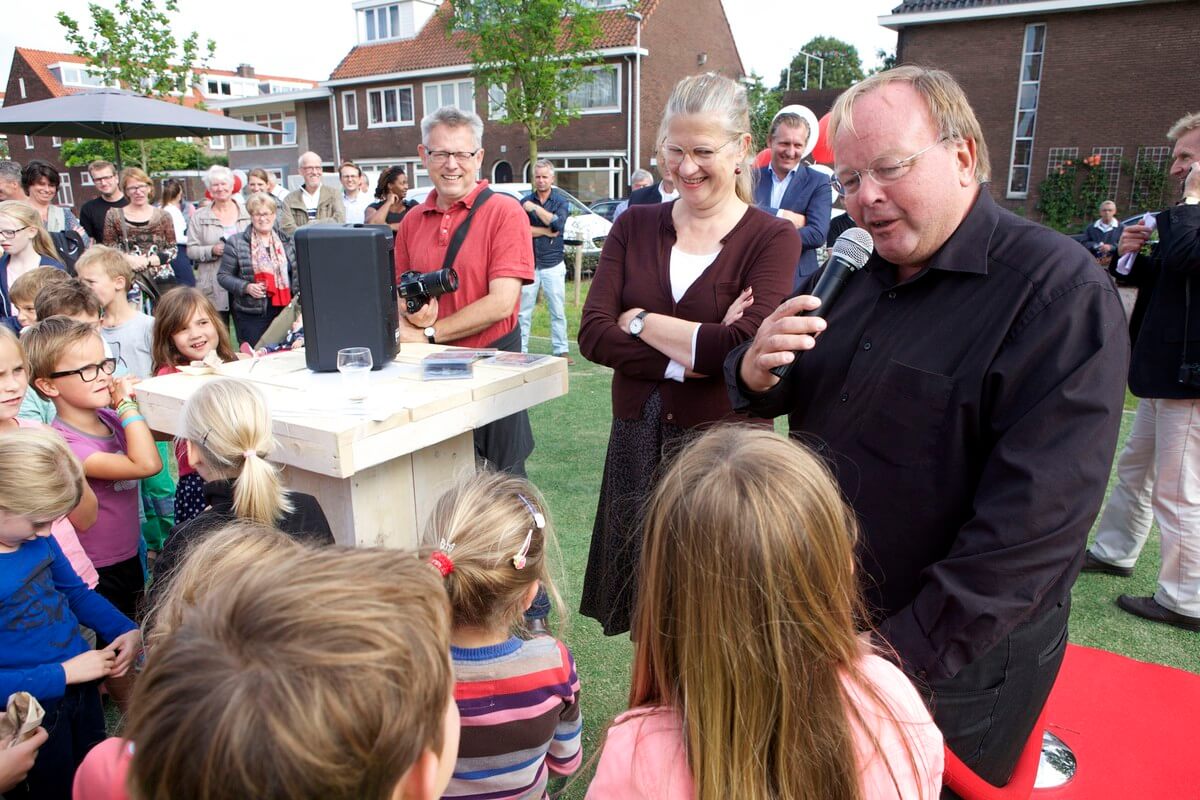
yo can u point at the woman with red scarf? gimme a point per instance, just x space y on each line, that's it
258 269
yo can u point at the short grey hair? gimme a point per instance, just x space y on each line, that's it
1183 126
544 163
452 117
260 200
10 171
218 172
306 154
641 175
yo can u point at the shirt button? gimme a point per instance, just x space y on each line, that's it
670 416
866 345
845 397
891 295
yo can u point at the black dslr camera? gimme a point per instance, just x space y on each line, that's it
1189 375
418 288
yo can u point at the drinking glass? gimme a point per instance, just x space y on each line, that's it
354 363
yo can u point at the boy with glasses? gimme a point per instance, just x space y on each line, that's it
110 437
92 213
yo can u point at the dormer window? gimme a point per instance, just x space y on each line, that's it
76 75
381 20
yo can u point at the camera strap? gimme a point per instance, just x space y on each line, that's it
460 232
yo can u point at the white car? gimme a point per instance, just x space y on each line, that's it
584 225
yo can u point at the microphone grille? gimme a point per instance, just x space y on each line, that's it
855 246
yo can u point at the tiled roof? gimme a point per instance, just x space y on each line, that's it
913 6
40 61
258 76
432 48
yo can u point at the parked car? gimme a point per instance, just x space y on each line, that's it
584 227
606 208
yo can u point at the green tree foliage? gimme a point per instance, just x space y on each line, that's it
162 155
843 66
133 45
531 55
886 61
764 104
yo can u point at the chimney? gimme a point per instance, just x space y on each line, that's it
244 71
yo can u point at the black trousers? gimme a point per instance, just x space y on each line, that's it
504 444
987 711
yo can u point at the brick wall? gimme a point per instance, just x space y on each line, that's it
1110 78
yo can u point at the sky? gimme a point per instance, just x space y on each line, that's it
767 32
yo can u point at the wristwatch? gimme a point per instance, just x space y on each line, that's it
637 323
430 334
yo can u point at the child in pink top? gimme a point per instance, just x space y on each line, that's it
14 385
750 678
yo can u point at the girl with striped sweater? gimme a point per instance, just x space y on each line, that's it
518 697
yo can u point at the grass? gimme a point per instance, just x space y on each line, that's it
572 436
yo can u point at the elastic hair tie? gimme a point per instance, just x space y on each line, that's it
248 453
442 563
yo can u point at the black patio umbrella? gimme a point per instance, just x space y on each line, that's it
117 115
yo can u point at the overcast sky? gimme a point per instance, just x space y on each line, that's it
277 41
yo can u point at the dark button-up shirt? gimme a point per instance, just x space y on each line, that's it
970 415
548 250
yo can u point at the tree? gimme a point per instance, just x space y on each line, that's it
842 65
886 61
132 45
162 155
532 55
764 104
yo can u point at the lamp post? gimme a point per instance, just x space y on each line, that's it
636 163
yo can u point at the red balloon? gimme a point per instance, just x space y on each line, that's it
237 183
763 158
823 152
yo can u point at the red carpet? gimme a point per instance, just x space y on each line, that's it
1132 726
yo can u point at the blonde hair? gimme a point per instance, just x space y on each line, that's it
136 174
25 214
724 98
481 524
314 675
945 100
1183 126
46 340
110 259
765 709
26 287
220 556
260 199
40 478
227 421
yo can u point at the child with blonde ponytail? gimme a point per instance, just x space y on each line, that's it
227 432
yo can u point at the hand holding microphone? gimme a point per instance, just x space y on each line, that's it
792 328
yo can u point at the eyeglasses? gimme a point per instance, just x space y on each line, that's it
440 157
136 187
264 215
883 170
103 178
6 235
673 154
315 168
89 372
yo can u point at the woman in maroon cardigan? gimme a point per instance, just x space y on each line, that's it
679 285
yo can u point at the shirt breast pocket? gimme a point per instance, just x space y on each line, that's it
907 416
724 293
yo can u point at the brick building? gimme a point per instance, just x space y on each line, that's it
405 66
1057 80
42 74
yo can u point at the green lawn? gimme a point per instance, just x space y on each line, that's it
572 434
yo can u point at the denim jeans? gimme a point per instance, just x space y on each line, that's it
554 281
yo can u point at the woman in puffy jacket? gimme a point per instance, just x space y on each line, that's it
258 269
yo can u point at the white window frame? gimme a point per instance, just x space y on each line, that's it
400 121
455 85
216 143
56 141
384 11
29 144
496 98
85 179
278 119
1022 83
66 195
349 104
613 109
21 85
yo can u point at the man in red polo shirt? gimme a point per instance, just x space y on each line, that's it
495 260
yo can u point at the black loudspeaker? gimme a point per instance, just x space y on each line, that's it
347 292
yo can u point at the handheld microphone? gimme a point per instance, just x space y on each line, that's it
850 253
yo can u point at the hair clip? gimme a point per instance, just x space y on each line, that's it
445 546
519 559
442 563
538 519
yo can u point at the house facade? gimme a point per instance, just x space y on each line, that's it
43 74
405 66
1062 80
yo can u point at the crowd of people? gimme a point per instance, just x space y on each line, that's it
819 615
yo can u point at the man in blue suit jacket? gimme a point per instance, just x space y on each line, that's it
788 188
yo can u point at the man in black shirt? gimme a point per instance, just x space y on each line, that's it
966 389
92 213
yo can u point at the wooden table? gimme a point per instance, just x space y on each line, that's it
378 465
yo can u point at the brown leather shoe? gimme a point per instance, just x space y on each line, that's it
1149 608
1093 564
